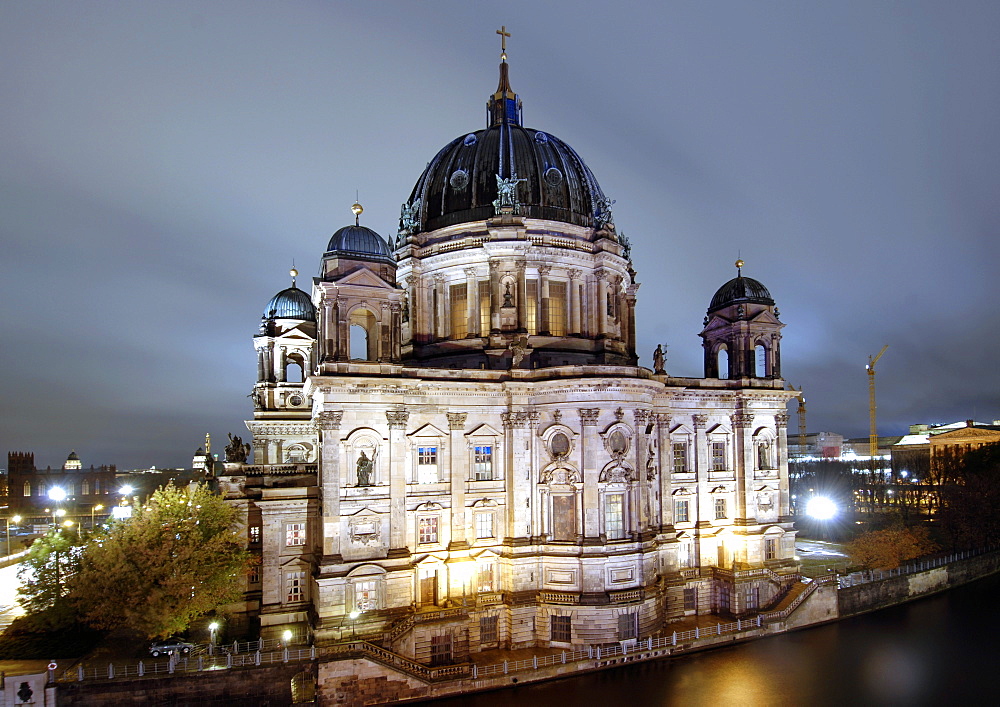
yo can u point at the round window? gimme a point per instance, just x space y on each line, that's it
559 445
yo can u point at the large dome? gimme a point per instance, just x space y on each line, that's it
460 184
739 290
292 303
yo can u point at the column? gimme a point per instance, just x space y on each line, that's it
700 459
590 442
665 467
471 302
602 303
397 420
743 462
443 305
522 296
261 369
645 471
518 445
573 301
458 468
496 297
328 425
781 423
543 289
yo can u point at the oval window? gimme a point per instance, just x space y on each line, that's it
560 445
619 444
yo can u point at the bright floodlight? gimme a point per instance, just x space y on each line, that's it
212 626
57 494
125 490
821 508
287 635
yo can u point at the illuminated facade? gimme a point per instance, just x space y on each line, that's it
454 448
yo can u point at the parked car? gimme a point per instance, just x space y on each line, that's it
171 646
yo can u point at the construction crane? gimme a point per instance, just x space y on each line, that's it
802 423
873 430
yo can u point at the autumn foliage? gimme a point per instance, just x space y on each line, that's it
887 549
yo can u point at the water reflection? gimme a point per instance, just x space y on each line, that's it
936 651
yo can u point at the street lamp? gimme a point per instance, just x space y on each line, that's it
287 636
93 510
58 513
16 519
58 495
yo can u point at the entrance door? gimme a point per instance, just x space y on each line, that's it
428 587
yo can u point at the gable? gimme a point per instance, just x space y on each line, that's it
427 430
363 277
484 430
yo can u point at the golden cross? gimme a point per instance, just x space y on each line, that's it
503 39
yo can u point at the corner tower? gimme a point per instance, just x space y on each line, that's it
742 332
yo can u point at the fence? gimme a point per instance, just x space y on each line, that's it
856 578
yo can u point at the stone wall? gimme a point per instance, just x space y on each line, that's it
887 592
253 687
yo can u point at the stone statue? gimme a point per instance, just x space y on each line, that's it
603 217
519 350
506 201
255 397
626 245
364 470
508 299
659 359
237 451
409 218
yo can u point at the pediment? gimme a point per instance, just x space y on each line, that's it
766 317
296 335
364 512
427 430
363 277
966 432
484 430
718 429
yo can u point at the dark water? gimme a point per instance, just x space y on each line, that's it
944 650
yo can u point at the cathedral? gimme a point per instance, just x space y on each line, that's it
454 448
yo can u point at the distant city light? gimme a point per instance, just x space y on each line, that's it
821 508
57 494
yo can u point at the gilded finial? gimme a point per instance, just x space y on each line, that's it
357 209
294 273
739 267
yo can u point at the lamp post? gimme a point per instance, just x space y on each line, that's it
57 494
16 519
94 509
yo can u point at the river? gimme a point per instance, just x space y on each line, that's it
936 651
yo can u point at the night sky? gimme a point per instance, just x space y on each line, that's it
164 163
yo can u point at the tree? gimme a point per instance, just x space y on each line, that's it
179 557
886 549
970 505
46 573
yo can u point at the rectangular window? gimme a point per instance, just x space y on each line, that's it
614 516
459 313
680 450
485 577
441 649
751 597
483 463
484 307
295 585
427 469
531 308
723 598
680 511
690 599
428 529
557 308
718 456
561 628
253 575
628 626
365 595
684 554
254 531
489 631
295 534
770 549
484 525
720 508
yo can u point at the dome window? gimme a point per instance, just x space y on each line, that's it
459 179
553 177
470 140
541 138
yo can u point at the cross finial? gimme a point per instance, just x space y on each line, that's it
503 41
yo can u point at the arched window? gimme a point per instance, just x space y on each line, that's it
723 361
27 489
359 343
41 489
295 371
760 361
85 488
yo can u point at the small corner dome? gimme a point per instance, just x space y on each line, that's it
73 457
740 290
359 242
292 303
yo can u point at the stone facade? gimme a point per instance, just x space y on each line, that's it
475 460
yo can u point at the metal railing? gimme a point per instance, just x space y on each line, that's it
856 578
